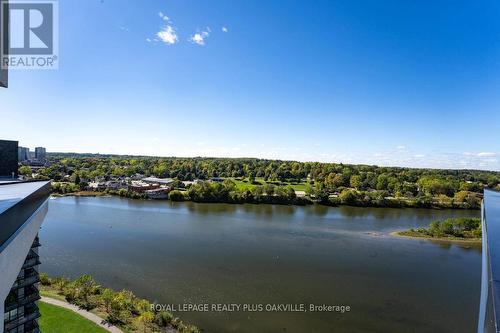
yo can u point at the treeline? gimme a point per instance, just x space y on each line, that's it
227 192
327 183
121 308
462 227
331 175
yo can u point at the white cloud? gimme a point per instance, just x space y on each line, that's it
419 155
199 37
224 29
481 154
400 147
164 17
168 35
486 154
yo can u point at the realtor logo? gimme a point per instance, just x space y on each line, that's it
29 33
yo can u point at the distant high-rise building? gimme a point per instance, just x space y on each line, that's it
40 153
23 154
8 159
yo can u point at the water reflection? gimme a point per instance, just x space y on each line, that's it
220 253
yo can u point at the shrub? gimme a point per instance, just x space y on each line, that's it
176 195
349 197
454 227
121 307
163 318
44 279
60 283
81 291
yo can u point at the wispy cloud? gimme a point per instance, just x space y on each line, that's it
481 154
164 17
401 147
486 154
168 33
199 37
407 158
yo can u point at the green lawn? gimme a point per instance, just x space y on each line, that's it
55 319
241 185
298 186
51 294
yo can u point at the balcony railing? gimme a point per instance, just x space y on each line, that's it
27 317
32 255
31 327
27 280
489 307
33 296
31 262
36 243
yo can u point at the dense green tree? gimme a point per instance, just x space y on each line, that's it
176 195
25 170
376 186
85 286
355 181
349 197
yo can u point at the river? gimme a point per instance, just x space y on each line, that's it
188 253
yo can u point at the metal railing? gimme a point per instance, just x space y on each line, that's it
27 280
10 324
22 301
489 306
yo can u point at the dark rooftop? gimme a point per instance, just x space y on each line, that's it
18 201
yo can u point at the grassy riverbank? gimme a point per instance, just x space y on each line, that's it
409 234
452 230
120 308
239 192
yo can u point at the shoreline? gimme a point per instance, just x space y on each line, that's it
95 308
84 194
90 194
474 241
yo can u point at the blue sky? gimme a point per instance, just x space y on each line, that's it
405 83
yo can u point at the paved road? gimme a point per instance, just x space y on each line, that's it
90 316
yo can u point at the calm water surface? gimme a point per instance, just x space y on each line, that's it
218 253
